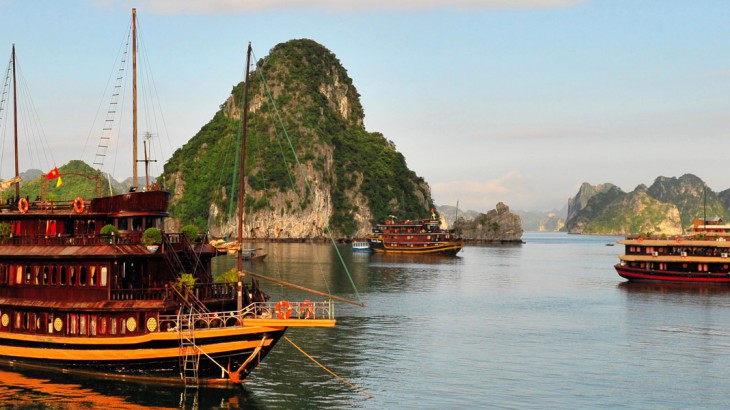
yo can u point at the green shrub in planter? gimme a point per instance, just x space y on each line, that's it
152 236
190 232
6 231
109 231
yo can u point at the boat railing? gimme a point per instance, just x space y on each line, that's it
282 310
10 206
124 238
139 294
213 291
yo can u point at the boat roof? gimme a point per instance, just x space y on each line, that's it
66 251
674 242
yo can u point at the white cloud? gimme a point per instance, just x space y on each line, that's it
512 188
716 74
244 6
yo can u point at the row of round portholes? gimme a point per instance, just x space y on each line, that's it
58 323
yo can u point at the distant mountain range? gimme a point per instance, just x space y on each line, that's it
551 221
668 206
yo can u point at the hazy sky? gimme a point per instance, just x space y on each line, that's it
518 101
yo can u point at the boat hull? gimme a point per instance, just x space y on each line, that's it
443 248
155 356
644 275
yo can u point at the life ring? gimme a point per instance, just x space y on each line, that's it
79 205
679 239
307 309
283 309
640 239
23 205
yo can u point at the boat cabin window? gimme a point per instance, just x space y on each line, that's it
72 276
104 276
50 228
123 224
73 325
63 275
83 276
152 222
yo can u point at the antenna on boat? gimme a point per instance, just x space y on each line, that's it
134 98
241 182
704 207
146 160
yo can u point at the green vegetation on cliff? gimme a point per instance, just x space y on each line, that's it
79 180
322 119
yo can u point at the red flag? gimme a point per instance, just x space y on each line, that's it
53 174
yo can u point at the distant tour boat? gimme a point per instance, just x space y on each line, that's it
361 246
420 236
702 257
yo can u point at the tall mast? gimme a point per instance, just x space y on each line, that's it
241 182
15 124
134 98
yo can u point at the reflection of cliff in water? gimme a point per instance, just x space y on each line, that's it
33 388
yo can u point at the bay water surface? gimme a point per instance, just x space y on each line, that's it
543 325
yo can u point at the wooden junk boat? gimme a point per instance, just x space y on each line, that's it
76 300
420 236
701 257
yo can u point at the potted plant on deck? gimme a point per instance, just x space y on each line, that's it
190 232
6 232
185 284
152 239
108 232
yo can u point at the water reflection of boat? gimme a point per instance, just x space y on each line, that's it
673 288
76 299
29 386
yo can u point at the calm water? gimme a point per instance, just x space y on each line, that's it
547 324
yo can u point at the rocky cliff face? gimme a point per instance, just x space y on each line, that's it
585 193
551 223
498 225
310 163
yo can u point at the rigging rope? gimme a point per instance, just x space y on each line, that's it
304 176
370 396
3 101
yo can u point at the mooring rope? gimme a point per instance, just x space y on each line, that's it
370 396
